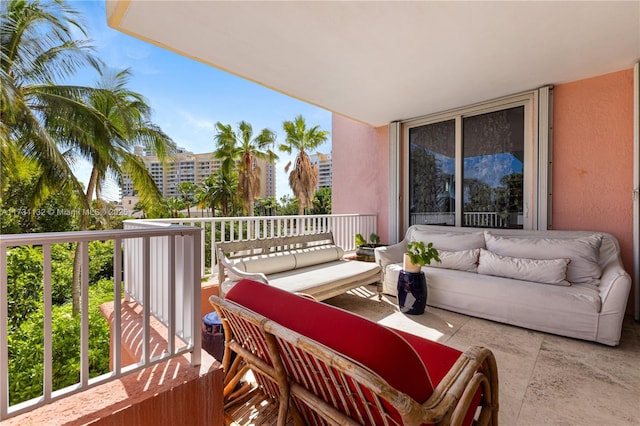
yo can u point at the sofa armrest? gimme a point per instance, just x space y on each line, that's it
389 255
236 274
615 286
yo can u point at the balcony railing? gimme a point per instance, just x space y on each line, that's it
174 300
473 219
343 226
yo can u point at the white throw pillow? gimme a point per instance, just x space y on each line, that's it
547 271
451 241
584 253
268 263
316 255
462 260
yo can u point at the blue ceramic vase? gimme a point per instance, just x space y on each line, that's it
412 292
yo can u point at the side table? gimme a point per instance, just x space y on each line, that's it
412 292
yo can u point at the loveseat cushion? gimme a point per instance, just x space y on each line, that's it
377 347
316 255
546 271
584 253
267 263
273 263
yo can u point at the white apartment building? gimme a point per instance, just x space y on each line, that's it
323 161
188 167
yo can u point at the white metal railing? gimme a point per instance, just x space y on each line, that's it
343 226
473 219
178 304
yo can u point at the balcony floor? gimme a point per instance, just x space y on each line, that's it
544 379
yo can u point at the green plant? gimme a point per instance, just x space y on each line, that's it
362 241
421 254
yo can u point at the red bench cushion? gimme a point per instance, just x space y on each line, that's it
377 347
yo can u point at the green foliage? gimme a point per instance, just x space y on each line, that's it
26 347
57 213
421 254
362 241
289 205
322 201
61 273
100 260
24 283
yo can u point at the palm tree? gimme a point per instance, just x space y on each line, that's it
304 176
111 152
36 49
218 190
187 191
243 149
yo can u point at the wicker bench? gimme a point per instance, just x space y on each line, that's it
311 264
316 364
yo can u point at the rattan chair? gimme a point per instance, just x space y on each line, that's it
299 380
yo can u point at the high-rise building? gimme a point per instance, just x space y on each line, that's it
323 161
188 167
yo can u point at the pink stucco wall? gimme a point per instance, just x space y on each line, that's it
592 161
360 156
593 157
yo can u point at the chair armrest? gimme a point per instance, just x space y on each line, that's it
390 254
475 369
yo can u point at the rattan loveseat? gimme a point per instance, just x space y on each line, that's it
317 364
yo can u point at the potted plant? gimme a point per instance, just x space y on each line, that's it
418 254
365 248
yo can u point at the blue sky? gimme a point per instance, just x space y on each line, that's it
188 97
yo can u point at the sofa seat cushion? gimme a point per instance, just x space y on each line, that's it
334 274
476 291
377 347
584 253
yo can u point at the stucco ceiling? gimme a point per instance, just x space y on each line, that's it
386 60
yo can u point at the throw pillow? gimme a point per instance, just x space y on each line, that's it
547 271
450 241
583 252
462 260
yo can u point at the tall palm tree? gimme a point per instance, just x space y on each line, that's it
111 152
187 191
36 49
243 149
304 176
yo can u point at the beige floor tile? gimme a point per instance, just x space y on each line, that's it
543 379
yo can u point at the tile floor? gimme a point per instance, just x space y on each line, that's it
543 379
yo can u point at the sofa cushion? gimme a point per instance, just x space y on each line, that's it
449 240
379 348
316 255
547 271
584 253
267 263
462 260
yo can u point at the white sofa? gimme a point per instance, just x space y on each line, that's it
570 283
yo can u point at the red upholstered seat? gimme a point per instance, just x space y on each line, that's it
410 364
